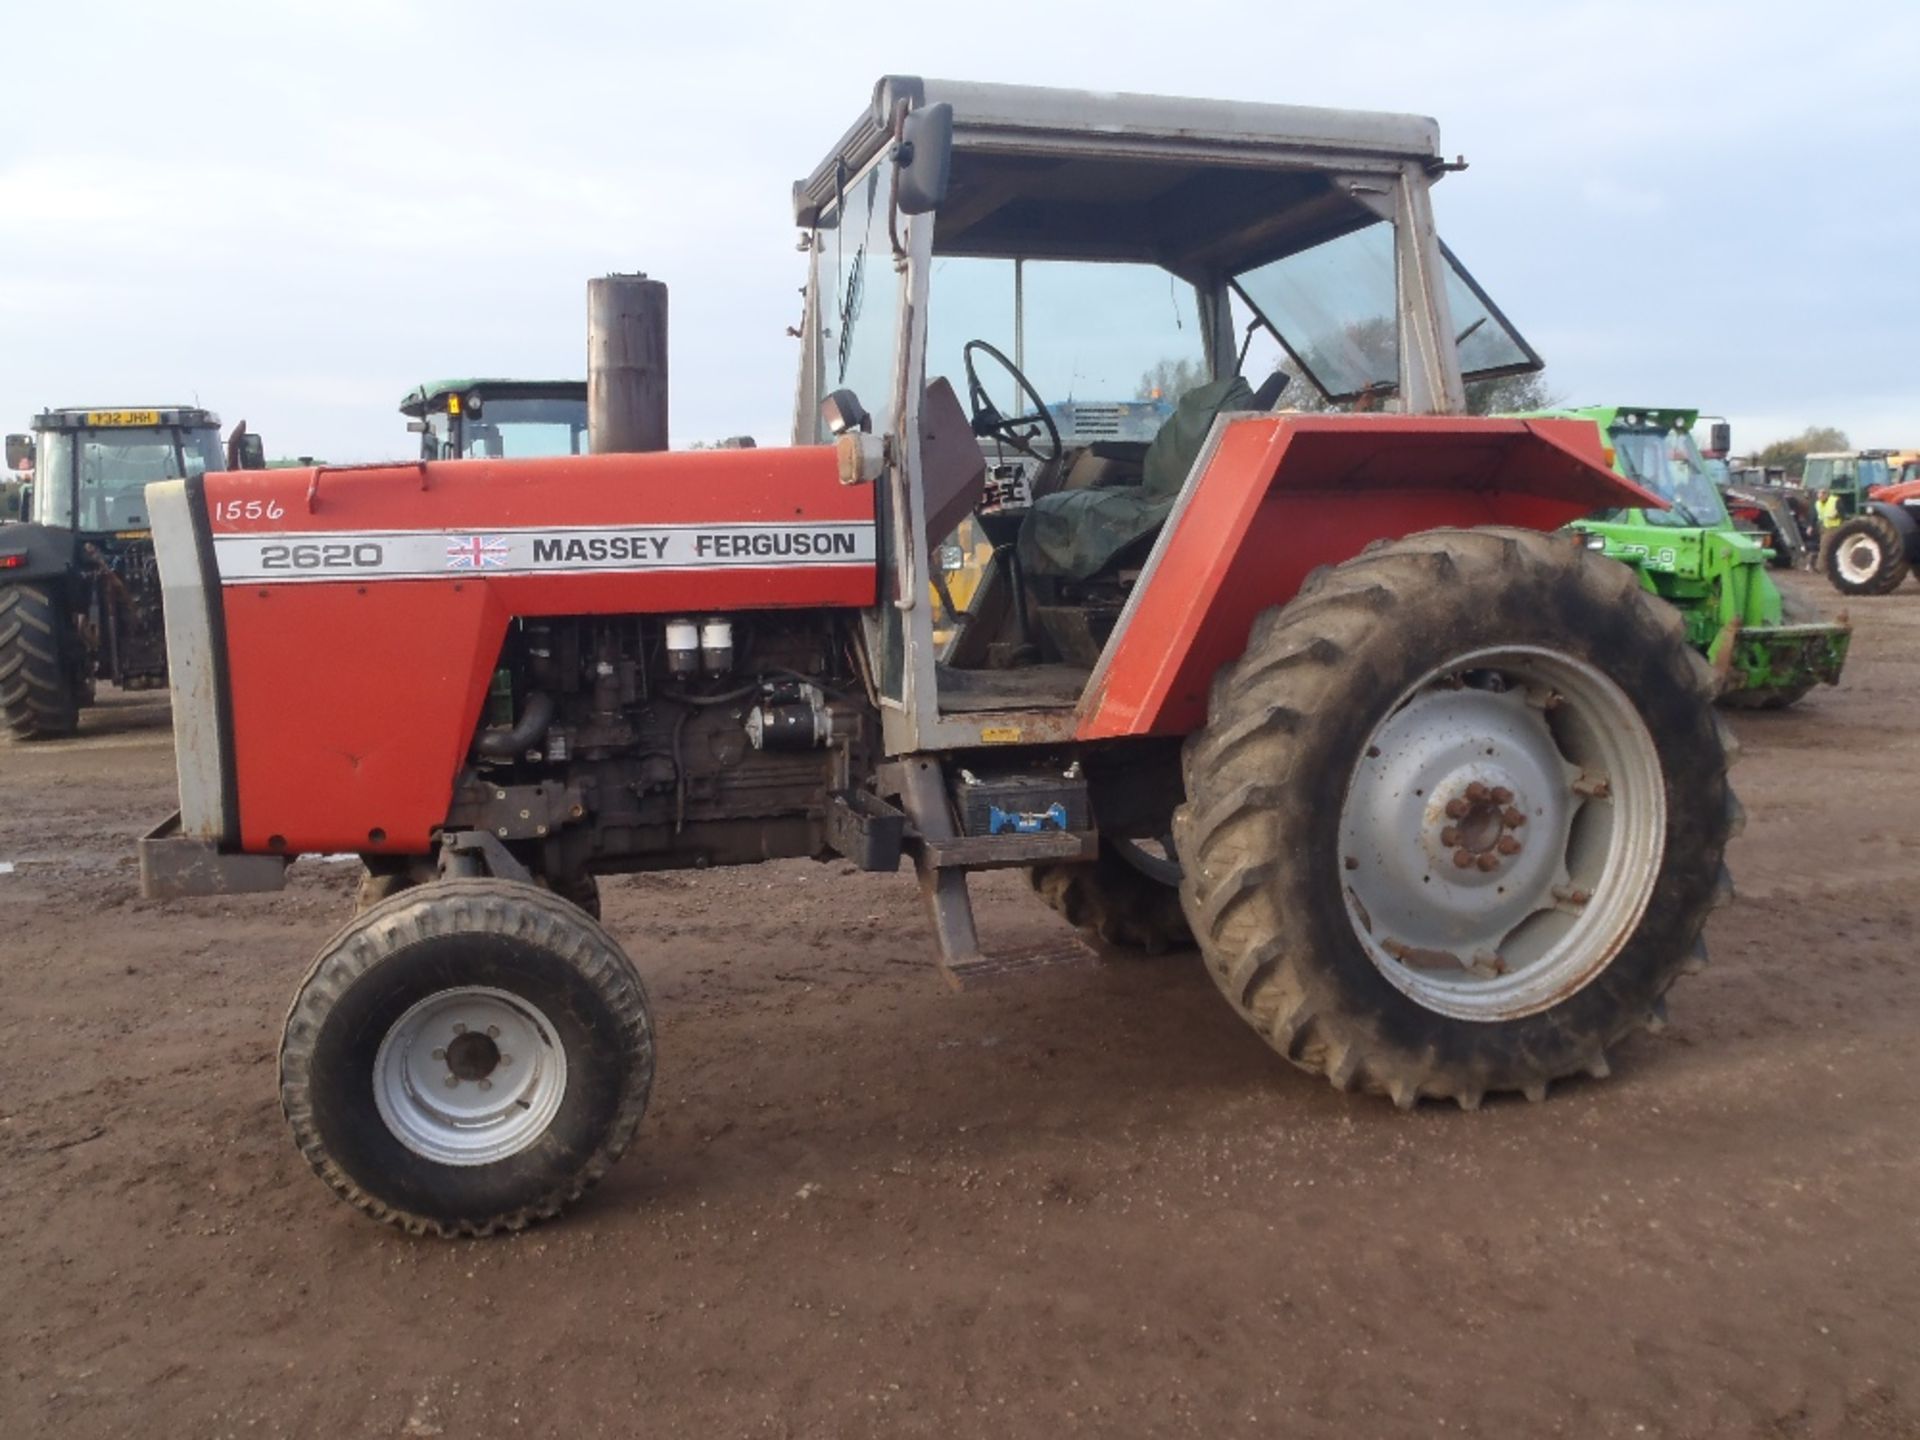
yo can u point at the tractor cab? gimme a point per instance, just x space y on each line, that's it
1657 449
1037 304
92 467
1848 477
498 419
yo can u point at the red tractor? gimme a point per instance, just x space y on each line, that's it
1436 791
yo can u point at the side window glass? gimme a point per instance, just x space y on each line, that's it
860 320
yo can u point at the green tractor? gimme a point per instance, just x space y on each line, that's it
1770 647
498 419
79 581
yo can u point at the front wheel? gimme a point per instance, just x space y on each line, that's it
467 1056
1457 816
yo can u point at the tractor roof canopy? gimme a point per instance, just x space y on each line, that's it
431 398
78 417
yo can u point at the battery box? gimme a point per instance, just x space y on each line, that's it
1025 803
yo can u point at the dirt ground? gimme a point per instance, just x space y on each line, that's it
1084 1200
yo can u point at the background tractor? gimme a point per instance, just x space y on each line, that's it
1437 792
1875 550
79 583
496 419
1771 648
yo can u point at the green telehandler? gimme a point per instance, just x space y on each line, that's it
1771 648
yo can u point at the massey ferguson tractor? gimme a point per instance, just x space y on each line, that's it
1438 794
79 588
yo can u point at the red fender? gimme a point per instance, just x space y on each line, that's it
1283 494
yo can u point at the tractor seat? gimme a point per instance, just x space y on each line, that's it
1074 534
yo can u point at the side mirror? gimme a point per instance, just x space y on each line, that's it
253 452
923 160
843 412
1719 438
19 451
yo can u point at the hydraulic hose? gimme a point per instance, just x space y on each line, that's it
523 734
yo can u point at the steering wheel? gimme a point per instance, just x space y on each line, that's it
1018 430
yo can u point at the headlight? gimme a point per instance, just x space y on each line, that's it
1593 542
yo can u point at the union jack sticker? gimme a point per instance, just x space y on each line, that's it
476 552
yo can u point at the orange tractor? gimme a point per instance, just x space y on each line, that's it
1436 790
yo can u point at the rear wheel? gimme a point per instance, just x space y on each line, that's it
38 696
1456 819
467 1056
1128 900
1866 556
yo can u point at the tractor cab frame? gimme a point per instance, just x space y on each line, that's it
1081 241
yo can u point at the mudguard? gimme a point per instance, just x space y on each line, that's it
1276 496
359 613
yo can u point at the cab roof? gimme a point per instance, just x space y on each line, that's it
1105 175
431 398
93 417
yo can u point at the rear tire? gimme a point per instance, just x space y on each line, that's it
1321 769
1115 904
38 698
467 1056
1866 556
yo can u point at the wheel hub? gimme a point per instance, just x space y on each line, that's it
1860 559
1482 821
469 1076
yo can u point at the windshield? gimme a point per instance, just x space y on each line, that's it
511 430
1091 336
1336 306
1874 470
114 469
1668 463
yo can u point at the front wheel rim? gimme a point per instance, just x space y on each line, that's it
1859 559
1502 832
469 1076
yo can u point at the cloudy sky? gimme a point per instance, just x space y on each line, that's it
295 210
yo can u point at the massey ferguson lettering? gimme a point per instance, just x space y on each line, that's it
599 549
777 545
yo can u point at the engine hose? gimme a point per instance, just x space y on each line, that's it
523 735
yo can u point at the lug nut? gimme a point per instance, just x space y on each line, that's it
1450 835
506 1059
1462 859
493 1032
1508 845
453 1081
1457 809
459 1028
1351 863
1501 795
1476 791
1512 818
1488 863
486 1084
439 1054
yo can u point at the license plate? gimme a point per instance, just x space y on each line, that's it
123 417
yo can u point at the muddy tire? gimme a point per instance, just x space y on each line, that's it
1866 556
467 1056
38 700
1457 816
1116 904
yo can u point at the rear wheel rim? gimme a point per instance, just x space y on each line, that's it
1859 559
469 1076
1502 832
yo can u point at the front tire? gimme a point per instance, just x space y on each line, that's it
1457 816
467 1056
39 699
1123 905
1866 556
